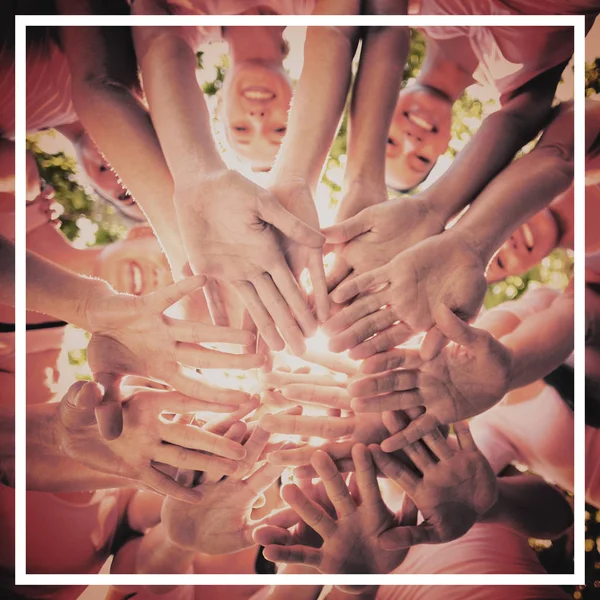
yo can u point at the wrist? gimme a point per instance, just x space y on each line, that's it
469 243
87 307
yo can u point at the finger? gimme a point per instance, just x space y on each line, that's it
394 470
323 427
332 396
271 211
263 478
364 329
389 338
432 344
265 536
407 358
292 457
236 433
454 328
203 358
201 333
216 304
254 446
415 431
318 280
388 402
109 413
249 325
293 555
352 313
309 511
337 272
175 402
279 310
343 232
336 488
438 445
358 285
390 381
167 486
366 478
191 385
221 425
77 408
292 295
464 436
409 511
283 518
279 379
333 362
407 536
345 465
276 400
194 438
181 458
259 315
161 299
420 456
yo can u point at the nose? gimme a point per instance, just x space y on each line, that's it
258 114
412 143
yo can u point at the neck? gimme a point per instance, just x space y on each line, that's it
254 44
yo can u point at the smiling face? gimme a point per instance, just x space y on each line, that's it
526 247
419 134
135 265
255 102
104 180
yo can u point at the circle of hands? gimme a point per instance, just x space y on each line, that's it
396 273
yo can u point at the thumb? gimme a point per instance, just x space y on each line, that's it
78 405
274 213
350 228
109 414
455 328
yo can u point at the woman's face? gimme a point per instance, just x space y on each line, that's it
104 180
135 265
526 247
419 134
255 101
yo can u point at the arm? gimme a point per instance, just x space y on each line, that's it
521 117
522 189
105 94
527 504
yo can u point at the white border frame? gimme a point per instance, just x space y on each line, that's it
23 578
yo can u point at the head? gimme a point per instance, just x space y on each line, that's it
103 179
526 247
254 105
135 265
419 134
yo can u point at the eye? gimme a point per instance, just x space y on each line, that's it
281 130
240 128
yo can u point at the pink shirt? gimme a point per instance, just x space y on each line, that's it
48 93
205 35
509 57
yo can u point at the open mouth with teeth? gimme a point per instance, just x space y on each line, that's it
258 94
137 278
420 122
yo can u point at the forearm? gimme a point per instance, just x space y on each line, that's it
119 123
481 161
318 103
537 348
177 106
530 506
305 592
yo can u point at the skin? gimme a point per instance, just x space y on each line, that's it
419 134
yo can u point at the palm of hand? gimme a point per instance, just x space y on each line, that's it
397 225
453 495
460 382
222 230
218 524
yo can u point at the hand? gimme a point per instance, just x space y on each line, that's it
378 233
220 523
352 538
132 336
467 378
230 228
440 270
455 489
294 195
146 441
